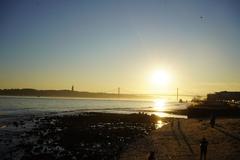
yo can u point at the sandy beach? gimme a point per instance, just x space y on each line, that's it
179 140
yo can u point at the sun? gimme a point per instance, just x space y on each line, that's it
160 77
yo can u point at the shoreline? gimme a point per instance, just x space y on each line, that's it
207 112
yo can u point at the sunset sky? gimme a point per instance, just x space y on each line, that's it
99 45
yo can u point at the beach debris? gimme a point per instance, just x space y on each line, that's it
3 126
83 136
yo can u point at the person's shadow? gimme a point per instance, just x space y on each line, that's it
220 129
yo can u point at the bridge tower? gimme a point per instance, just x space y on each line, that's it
118 91
177 94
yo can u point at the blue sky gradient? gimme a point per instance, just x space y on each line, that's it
99 45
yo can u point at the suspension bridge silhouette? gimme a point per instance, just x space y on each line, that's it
178 93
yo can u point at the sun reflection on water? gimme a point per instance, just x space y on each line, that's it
159 124
160 105
163 108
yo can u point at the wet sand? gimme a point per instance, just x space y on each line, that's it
179 140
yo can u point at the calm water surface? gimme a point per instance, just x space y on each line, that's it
12 106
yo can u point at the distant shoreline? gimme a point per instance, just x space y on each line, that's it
82 94
207 112
68 93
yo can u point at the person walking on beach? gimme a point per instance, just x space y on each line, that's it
212 121
203 148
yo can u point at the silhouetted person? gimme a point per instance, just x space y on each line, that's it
203 148
151 156
180 101
212 121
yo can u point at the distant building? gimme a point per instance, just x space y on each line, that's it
72 88
224 96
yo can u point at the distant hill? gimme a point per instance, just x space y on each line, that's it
63 93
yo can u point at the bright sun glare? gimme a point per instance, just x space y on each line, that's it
159 104
160 77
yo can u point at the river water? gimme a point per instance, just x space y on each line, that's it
14 106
